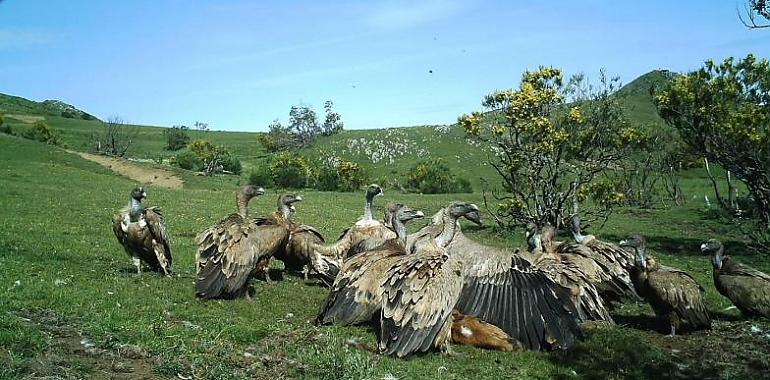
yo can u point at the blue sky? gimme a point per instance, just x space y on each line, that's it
240 64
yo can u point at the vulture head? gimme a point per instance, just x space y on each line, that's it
533 238
714 247
546 237
406 213
286 203
138 193
244 195
372 191
469 210
638 244
250 191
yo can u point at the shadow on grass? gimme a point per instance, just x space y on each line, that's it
681 246
609 353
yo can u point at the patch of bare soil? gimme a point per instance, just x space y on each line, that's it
29 119
72 355
141 174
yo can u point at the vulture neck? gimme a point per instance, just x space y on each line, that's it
368 208
243 204
400 228
719 258
286 211
640 255
451 225
135 209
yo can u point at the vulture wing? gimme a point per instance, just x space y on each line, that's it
300 247
680 292
117 221
421 291
569 273
746 287
227 255
502 288
356 294
161 242
608 269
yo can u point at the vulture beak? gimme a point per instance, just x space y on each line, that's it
298 198
474 217
260 191
419 214
624 243
704 247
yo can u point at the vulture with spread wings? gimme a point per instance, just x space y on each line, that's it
447 271
356 295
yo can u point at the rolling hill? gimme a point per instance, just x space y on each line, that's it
383 152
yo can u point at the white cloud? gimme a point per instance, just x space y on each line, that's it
408 14
20 38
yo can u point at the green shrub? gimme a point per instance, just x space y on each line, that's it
291 170
176 137
435 177
341 176
202 155
231 163
40 131
328 178
261 176
188 160
4 128
352 176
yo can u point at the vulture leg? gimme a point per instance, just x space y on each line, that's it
673 331
248 294
137 264
305 271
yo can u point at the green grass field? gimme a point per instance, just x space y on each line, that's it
66 284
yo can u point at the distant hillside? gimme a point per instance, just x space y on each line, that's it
15 105
638 99
385 153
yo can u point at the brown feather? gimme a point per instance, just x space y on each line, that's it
146 239
746 287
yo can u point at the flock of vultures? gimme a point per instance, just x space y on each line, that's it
426 290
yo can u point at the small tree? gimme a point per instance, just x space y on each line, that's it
278 138
114 137
176 137
40 131
757 14
201 127
291 170
333 122
209 158
723 112
303 122
550 140
4 128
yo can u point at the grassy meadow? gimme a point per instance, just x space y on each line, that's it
71 305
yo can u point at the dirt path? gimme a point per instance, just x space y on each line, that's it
141 174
